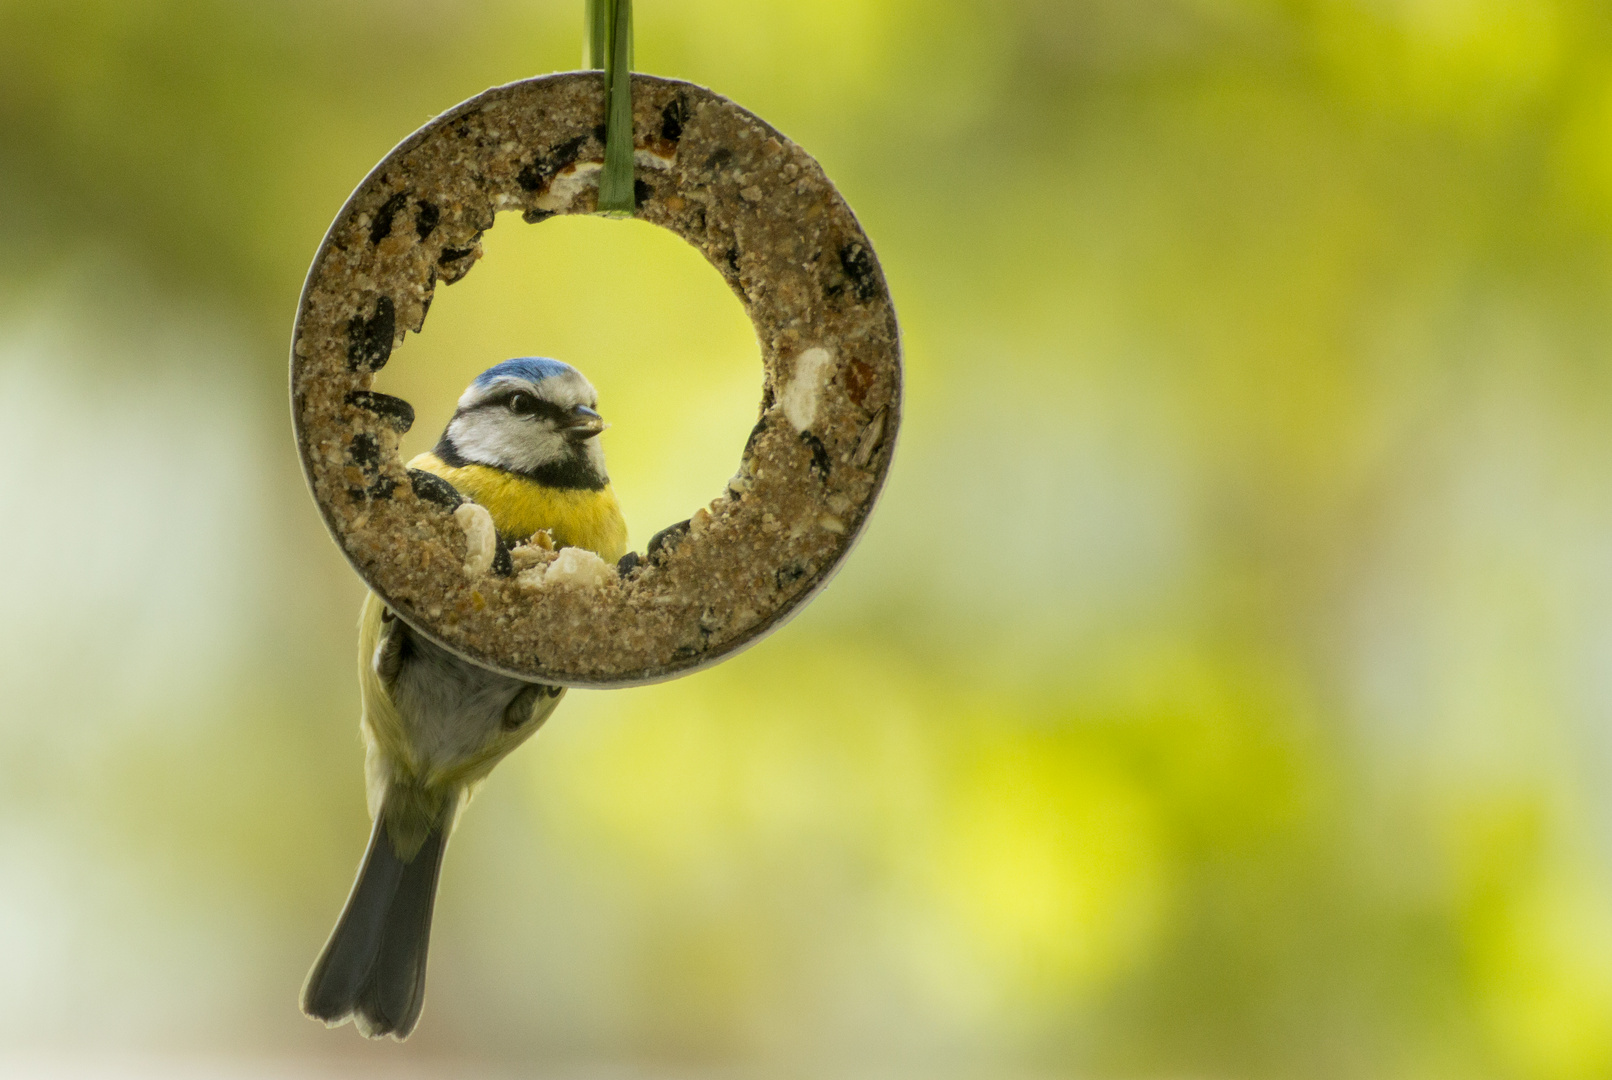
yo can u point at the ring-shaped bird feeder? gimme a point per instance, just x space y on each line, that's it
765 215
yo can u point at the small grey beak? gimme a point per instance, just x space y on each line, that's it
582 423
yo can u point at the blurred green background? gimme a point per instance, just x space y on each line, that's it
1223 688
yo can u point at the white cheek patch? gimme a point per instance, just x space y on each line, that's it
805 388
495 436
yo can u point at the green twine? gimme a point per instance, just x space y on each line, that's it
608 45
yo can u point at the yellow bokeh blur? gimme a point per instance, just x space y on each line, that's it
1222 689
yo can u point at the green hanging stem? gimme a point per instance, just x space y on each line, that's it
608 45
596 32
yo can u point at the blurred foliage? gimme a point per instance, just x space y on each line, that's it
1222 688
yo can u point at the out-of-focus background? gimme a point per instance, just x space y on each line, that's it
1223 689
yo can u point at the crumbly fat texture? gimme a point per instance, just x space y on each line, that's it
765 216
579 567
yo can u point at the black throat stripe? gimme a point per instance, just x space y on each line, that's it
574 472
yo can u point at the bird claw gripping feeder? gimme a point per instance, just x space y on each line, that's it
764 214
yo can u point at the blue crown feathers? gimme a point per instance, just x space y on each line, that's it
531 368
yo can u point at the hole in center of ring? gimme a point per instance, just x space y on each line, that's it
640 313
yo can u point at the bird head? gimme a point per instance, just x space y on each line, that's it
532 416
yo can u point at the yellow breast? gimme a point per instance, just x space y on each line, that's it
520 507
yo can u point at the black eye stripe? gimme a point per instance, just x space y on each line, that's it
541 408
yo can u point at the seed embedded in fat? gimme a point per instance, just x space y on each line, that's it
804 391
481 538
578 566
872 436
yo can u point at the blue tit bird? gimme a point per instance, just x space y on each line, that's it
523 443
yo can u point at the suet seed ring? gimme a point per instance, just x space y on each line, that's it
764 214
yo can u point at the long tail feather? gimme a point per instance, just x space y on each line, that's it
372 969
